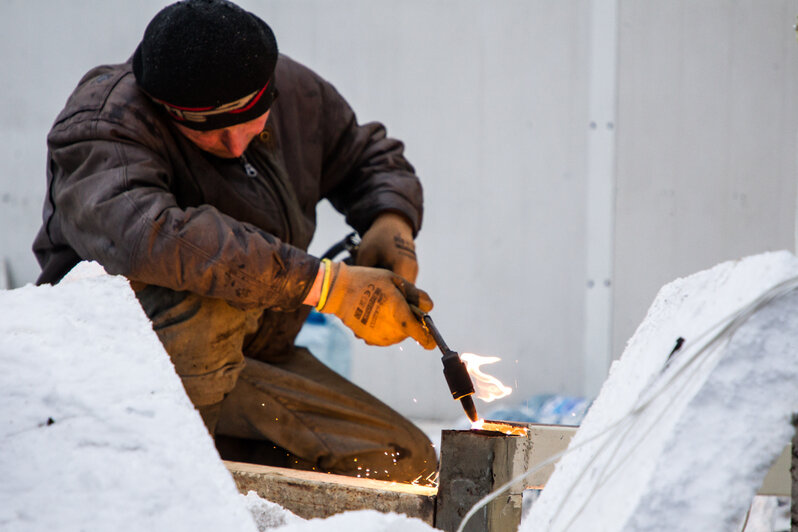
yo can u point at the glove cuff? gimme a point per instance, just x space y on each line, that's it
325 284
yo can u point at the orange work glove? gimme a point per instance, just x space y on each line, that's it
388 244
375 304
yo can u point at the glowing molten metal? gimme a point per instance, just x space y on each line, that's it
487 387
510 429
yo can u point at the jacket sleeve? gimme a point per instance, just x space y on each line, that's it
365 171
111 194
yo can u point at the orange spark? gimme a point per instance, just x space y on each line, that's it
430 480
487 387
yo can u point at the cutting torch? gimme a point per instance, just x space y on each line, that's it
454 369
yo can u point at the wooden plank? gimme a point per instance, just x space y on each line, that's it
5 284
547 440
778 481
794 476
310 494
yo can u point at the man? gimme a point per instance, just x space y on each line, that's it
183 170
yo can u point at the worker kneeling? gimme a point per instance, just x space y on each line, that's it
182 170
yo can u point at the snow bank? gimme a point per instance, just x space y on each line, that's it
267 514
362 521
704 426
96 432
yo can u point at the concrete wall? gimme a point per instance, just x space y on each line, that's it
493 103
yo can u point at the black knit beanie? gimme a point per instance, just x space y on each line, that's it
208 62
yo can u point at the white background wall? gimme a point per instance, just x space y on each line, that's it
706 141
493 103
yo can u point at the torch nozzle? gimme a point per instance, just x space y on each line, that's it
469 407
455 371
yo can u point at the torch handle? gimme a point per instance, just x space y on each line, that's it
436 335
454 370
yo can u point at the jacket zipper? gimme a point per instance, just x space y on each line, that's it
252 172
248 168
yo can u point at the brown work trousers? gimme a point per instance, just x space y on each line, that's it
281 408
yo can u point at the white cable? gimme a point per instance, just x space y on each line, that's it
725 328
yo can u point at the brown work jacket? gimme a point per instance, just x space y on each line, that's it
126 189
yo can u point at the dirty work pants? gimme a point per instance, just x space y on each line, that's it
281 408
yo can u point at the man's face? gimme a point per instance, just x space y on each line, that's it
228 142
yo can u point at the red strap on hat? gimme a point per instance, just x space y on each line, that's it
199 114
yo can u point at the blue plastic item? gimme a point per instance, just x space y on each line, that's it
326 338
550 409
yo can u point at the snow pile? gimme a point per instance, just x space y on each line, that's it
268 514
362 521
96 432
705 421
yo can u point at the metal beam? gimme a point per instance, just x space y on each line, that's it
474 463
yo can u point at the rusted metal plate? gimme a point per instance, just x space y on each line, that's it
310 494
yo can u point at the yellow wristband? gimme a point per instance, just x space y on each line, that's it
325 284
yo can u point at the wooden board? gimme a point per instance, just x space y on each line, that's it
309 494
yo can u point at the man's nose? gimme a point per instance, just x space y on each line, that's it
235 141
